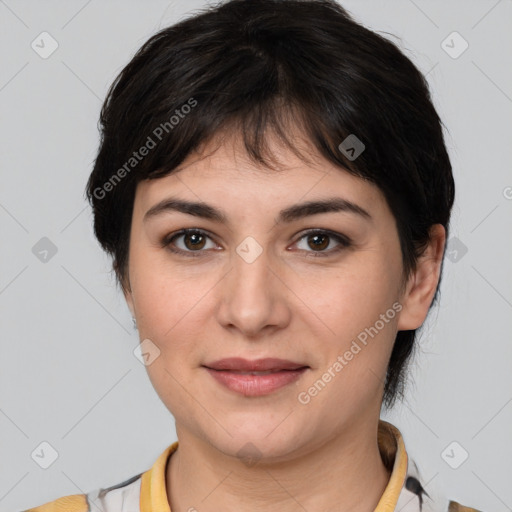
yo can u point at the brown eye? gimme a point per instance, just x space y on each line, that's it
193 242
319 240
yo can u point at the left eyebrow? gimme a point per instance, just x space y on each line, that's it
289 214
335 204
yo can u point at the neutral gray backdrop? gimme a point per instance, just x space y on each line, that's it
68 374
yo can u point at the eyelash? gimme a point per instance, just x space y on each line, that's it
343 240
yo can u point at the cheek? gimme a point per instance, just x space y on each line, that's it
350 301
362 327
166 305
161 297
358 308
174 310
168 309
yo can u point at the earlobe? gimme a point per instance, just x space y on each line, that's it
127 292
129 301
422 283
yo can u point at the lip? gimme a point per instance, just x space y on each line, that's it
233 373
245 365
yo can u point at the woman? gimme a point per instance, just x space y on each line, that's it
274 188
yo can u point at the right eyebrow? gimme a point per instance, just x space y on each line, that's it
289 214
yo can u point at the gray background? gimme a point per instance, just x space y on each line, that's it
68 375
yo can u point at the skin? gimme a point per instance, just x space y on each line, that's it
320 456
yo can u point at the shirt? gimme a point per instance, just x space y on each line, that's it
146 492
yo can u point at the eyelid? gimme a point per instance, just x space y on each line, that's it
343 240
333 234
166 241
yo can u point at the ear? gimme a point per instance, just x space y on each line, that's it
422 283
129 301
127 292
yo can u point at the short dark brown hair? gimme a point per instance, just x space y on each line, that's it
253 66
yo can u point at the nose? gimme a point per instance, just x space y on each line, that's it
253 297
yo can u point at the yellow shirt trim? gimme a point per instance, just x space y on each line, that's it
74 503
153 495
389 498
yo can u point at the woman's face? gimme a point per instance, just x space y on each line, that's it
257 285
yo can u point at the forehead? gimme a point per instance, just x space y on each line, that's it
223 172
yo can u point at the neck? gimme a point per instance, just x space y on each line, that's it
345 473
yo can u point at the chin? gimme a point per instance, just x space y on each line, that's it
257 441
